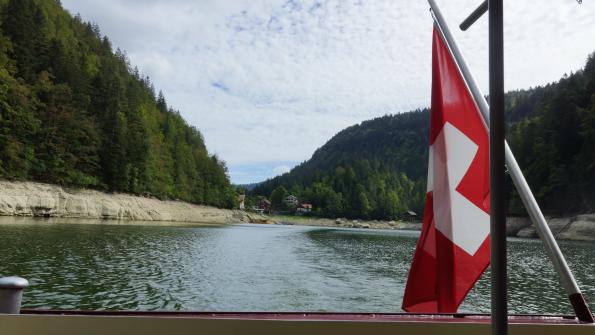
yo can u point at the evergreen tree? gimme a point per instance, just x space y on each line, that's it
278 198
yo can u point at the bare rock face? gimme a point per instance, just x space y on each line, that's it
110 209
527 229
582 228
586 217
558 225
528 232
76 206
45 200
7 205
42 205
514 224
257 218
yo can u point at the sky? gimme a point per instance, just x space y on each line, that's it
267 82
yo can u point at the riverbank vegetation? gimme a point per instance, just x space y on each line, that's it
74 111
377 169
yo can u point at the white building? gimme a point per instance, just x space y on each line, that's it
292 200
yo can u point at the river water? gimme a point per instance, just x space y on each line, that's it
252 268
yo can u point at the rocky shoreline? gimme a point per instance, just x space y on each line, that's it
53 201
580 227
345 223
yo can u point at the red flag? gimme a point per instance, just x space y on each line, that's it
453 249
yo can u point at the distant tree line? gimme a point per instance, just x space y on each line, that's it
75 112
377 169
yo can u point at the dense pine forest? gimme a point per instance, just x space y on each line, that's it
74 111
552 134
377 169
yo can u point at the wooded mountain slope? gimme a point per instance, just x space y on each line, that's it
75 112
372 170
377 169
553 140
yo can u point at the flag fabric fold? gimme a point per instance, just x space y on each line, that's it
453 249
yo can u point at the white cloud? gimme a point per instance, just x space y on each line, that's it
273 80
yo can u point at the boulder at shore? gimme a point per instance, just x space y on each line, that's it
581 227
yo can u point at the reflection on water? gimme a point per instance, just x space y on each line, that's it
251 268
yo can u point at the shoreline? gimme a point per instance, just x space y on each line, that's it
344 223
576 228
32 199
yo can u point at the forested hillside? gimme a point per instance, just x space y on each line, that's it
73 111
554 142
378 169
374 170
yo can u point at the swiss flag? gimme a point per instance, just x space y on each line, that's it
454 247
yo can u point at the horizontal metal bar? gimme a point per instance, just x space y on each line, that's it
477 13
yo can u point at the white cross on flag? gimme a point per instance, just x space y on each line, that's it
454 248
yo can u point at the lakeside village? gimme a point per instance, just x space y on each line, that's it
289 204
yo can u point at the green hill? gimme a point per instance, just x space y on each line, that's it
377 169
73 111
374 170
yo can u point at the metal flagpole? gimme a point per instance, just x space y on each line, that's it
497 170
574 293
